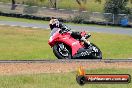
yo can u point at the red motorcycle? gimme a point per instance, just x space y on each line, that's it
66 47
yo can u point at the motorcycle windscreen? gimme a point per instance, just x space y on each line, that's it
54 31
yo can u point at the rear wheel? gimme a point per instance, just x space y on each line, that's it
62 51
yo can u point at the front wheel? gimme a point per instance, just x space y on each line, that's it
62 51
96 52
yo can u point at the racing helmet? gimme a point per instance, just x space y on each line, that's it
54 23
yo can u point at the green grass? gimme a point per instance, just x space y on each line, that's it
91 5
60 80
24 43
70 4
113 46
18 43
3 18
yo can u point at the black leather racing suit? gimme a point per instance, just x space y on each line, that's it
76 35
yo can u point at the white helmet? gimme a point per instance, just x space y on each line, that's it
54 22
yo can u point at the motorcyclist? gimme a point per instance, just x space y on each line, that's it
54 23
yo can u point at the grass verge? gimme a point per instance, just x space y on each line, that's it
24 43
17 43
3 18
91 5
65 80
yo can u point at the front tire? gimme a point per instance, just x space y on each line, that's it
62 51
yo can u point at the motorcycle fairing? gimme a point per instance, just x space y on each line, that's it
71 42
66 39
82 53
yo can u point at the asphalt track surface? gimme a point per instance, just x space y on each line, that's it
66 61
113 30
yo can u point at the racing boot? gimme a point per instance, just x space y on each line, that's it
86 42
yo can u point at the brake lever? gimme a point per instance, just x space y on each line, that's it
60 32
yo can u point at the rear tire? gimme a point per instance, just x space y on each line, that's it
62 54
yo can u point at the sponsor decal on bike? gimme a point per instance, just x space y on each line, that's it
85 53
75 43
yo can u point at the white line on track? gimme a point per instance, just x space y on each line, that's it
2 24
24 26
21 26
13 25
35 27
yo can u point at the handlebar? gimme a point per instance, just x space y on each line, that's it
64 31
